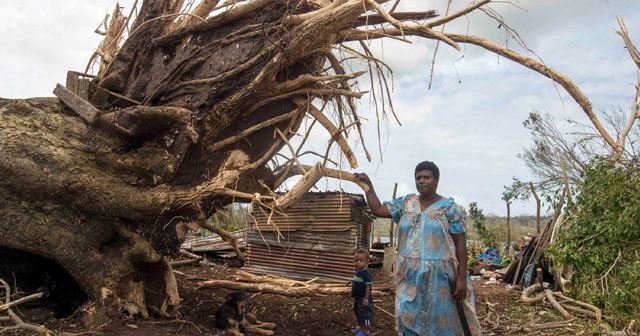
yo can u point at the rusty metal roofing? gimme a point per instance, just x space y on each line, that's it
315 212
317 237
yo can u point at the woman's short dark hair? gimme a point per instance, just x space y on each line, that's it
430 166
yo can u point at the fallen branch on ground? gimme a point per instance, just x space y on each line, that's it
19 324
185 262
191 255
280 285
563 304
386 312
543 326
20 301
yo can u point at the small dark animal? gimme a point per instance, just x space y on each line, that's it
379 245
232 318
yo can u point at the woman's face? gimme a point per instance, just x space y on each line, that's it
426 183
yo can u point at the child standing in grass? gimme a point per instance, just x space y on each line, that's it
361 293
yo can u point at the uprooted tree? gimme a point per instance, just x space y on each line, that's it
182 118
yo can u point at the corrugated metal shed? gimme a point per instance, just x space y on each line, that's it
317 239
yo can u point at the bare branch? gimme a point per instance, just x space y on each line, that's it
435 50
19 324
333 131
635 114
333 173
631 48
337 68
537 66
201 11
213 22
21 300
456 15
368 20
286 142
308 81
307 181
108 48
418 30
226 236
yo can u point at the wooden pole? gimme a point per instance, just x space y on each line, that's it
508 227
372 228
535 195
395 190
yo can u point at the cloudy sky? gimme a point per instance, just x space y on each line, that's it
469 123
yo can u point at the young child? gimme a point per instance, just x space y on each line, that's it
361 293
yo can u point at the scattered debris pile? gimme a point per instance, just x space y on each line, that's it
217 247
531 257
491 257
214 243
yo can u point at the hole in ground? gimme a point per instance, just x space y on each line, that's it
33 273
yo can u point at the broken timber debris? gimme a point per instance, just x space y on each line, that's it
78 105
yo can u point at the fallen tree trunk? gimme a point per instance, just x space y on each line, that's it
283 286
183 118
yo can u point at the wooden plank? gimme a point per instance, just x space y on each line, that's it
80 106
83 88
81 74
72 81
78 83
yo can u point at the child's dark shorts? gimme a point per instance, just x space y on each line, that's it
364 314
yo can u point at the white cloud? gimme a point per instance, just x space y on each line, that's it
41 40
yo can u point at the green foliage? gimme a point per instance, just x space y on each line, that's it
602 238
479 224
472 252
518 190
549 145
496 231
232 218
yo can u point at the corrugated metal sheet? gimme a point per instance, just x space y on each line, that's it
214 243
316 212
318 237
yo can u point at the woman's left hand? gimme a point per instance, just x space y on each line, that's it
460 292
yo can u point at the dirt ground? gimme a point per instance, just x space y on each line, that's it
498 308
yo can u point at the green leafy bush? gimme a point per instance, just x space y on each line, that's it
602 238
479 225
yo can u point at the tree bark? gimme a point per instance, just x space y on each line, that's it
62 199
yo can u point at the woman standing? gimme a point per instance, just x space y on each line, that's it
433 292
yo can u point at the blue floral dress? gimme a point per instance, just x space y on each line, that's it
426 266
